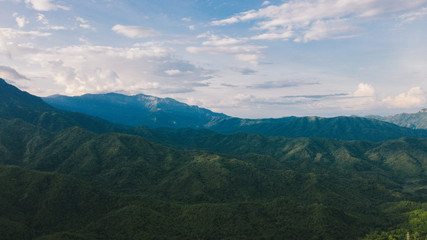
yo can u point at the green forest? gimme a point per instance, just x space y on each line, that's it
66 175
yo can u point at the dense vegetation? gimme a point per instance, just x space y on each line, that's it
65 181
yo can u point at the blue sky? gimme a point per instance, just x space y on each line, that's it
248 58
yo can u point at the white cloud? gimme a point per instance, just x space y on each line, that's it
9 33
216 45
413 16
87 68
337 28
82 20
308 20
244 53
215 40
365 99
45 5
83 23
266 3
225 21
413 98
42 18
364 90
56 28
9 38
21 21
186 19
135 31
77 81
85 26
284 35
191 27
173 72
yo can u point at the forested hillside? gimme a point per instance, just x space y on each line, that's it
86 178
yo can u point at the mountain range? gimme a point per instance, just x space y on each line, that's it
137 110
67 175
410 120
153 112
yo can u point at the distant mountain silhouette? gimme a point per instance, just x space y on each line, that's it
410 120
143 110
15 103
137 110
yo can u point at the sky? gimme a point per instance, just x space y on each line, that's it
251 59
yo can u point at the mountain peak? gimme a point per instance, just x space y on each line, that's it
137 110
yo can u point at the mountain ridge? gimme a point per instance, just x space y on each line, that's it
131 111
410 120
137 110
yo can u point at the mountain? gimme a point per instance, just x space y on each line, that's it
137 110
347 128
75 183
409 120
15 103
335 194
142 110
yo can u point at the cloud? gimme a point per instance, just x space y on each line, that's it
228 85
97 79
413 16
415 97
10 34
81 69
318 96
244 71
332 29
364 90
173 72
21 21
308 20
134 31
244 53
365 98
266 3
11 74
9 38
44 5
56 28
281 84
284 35
214 40
225 21
42 18
82 20
85 26
186 19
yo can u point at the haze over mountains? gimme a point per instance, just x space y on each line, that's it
143 110
137 110
67 175
411 120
